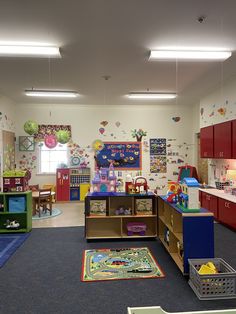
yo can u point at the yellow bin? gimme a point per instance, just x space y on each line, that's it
84 189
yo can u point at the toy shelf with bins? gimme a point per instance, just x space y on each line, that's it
106 224
185 235
16 206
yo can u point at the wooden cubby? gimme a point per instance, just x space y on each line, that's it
194 231
114 226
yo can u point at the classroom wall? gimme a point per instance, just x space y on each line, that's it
175 123
7 122
219 106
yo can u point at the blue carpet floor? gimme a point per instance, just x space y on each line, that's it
9 243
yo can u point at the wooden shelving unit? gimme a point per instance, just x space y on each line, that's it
109 225
193 231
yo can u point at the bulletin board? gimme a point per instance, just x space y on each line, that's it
123 155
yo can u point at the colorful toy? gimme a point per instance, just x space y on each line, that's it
13 225
140 185
136 227
189 197
172 192
105 180
121 210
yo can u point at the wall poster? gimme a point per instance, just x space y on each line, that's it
123 155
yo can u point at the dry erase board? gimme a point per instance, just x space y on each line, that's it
123 155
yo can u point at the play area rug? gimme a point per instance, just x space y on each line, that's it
9 243
115 264
55 212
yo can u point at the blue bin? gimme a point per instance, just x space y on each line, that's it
17 204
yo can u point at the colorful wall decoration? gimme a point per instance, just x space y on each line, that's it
123 155
158 160
26 143
48 129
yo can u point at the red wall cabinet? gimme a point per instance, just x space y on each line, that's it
63 185
210 202
207 142
227 213
234 139
222 140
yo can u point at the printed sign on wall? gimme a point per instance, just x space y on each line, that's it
157 146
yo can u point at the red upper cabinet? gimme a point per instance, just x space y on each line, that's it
234 139
207 142
222 140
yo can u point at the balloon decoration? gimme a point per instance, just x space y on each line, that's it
63 136
98 145
31 127
50 141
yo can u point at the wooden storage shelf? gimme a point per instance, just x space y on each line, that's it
193 231
115 226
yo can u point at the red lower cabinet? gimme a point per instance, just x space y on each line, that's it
227 213
210 202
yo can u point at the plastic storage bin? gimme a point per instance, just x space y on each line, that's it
17 204
217 286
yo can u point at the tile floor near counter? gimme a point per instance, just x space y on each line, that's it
72 216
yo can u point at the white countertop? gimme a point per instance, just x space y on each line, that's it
221 194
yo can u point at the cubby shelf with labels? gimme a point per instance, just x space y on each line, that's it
104 218
185 235
16 206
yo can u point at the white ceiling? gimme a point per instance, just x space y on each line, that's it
113 37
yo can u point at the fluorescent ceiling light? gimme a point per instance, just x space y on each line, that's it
189 55
149 95
29 51
50 93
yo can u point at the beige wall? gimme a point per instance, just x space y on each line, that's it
86 121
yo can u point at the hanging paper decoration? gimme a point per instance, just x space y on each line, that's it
31 127
63 136
101 130
50 141
104 123
98 145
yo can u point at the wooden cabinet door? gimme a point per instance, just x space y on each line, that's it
207 142
234 139
227 212
213 205
222 140
204 200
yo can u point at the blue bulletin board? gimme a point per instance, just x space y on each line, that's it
123 155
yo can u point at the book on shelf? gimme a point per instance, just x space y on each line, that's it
143 206
97 208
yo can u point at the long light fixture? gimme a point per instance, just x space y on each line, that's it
151 95
28 50
51 93
189 55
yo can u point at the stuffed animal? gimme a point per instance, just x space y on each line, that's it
14 224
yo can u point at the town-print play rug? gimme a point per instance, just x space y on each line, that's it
115 264
44 215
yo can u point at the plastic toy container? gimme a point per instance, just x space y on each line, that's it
215 286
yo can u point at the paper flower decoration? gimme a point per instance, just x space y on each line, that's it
50 141
63 136
138 134
98 145
31 127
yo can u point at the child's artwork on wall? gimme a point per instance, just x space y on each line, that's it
157 146
158 164
123 155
